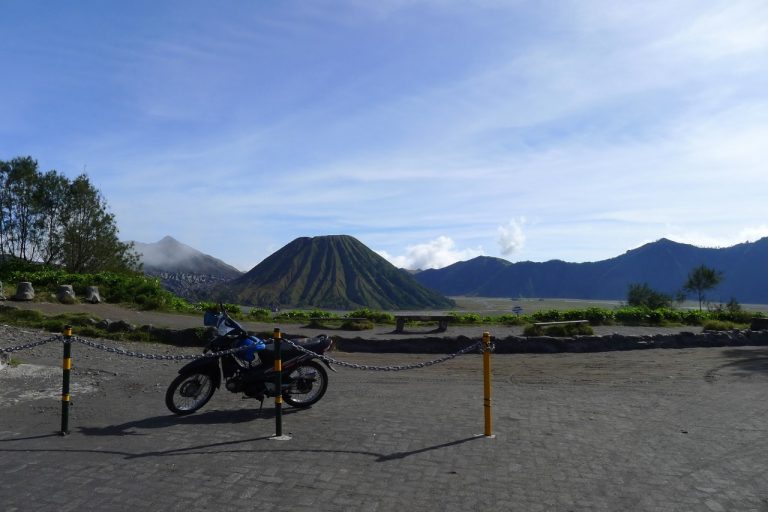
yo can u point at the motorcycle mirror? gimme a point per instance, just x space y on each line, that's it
210 318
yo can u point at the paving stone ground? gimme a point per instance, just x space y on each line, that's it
652 430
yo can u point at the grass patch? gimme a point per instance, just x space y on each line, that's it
723 325
83 325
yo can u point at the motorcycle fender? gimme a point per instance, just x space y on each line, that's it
329 365
204 365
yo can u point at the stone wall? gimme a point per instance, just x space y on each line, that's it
546 344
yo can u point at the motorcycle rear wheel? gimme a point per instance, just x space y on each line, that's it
308 384
189 392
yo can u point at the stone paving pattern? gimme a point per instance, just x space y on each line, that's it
653 430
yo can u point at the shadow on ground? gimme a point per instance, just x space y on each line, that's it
745 363
240 446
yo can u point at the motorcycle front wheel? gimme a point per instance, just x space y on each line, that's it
189 392
308 383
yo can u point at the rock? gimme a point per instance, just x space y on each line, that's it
24 291
121 326
66 294
92 295
104 324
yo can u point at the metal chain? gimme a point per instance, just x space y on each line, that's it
166 357
355 366
8 350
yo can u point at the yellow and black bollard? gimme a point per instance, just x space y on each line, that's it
488 431
279 393
67 368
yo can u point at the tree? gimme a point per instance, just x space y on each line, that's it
89 241
50 198
640 294
18 213
702 279
48 218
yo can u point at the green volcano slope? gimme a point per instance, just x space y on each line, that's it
331 272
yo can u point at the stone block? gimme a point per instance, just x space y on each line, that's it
66 294
24 291
92 295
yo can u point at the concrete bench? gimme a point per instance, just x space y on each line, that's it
442 321
564 322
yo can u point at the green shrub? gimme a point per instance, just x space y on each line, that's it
670 315
599 316
510 319
320 314
742 317
133 288
551 315
693 317
260 315
596 316
465 318
631 315
293 316
722 325
379 317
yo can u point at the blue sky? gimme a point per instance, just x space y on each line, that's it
433 131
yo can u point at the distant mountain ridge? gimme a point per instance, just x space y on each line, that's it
332 272
182 269
663 264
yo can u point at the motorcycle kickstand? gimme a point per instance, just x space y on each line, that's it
261 406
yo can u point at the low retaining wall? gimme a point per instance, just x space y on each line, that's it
547 344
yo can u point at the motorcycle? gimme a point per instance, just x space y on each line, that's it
249 369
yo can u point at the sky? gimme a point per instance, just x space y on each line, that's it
433 131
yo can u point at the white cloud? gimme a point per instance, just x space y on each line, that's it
747 234
437 253
723 31
511 237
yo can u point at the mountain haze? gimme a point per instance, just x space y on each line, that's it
333 272
663 264
182 269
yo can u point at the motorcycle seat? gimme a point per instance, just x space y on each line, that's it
317 344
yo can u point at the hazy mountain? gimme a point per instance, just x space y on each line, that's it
663 264
333 272
182 269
